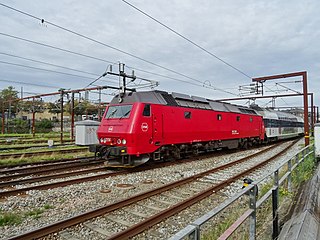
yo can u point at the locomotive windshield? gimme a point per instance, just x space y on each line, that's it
122 111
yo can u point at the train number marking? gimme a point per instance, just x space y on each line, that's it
144 127
110 129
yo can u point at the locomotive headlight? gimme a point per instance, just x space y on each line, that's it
101 140
124 141
104 140
119 141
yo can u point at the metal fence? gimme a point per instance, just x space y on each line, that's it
193 230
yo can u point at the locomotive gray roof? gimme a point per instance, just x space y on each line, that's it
147 97
180 99
181 96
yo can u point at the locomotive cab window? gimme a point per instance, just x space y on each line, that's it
146 110
187 115
238 118
219 117
121 111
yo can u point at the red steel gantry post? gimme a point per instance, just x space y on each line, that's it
305 96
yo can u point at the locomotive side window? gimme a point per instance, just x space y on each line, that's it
238 118
187 115
146 110
219 117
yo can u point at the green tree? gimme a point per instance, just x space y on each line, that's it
53 107
29 106
82 108
8 99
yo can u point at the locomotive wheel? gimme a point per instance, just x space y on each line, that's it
104 152
176 153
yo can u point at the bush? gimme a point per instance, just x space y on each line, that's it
18 126
44 126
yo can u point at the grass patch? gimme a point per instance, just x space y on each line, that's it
47 206
36 213
304 171
225 220
10 219
17 218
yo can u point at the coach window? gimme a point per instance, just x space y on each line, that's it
187 115
238 118
146 110
219 117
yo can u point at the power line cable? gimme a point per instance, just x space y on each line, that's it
43 69
184 81
49 64
278 84
99 42
103 60
31 84
56 48
187 39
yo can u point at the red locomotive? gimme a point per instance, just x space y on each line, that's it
153 125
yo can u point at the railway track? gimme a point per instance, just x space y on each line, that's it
41 164
134 215
23 176
31 140
10 148
6 181
10 174
41 153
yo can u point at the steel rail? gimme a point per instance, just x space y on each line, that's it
50 169
155 219
28 154
27 167
51 176
131 231
69 182
28 141
33 146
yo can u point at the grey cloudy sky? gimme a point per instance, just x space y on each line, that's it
258 37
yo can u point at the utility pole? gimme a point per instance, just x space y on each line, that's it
72 116
33 129
3 118
61 115
99 106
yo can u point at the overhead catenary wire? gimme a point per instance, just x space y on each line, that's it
56 48
43 69
187 39
49 64
64 73
24 83
99 42
185 81
110 62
